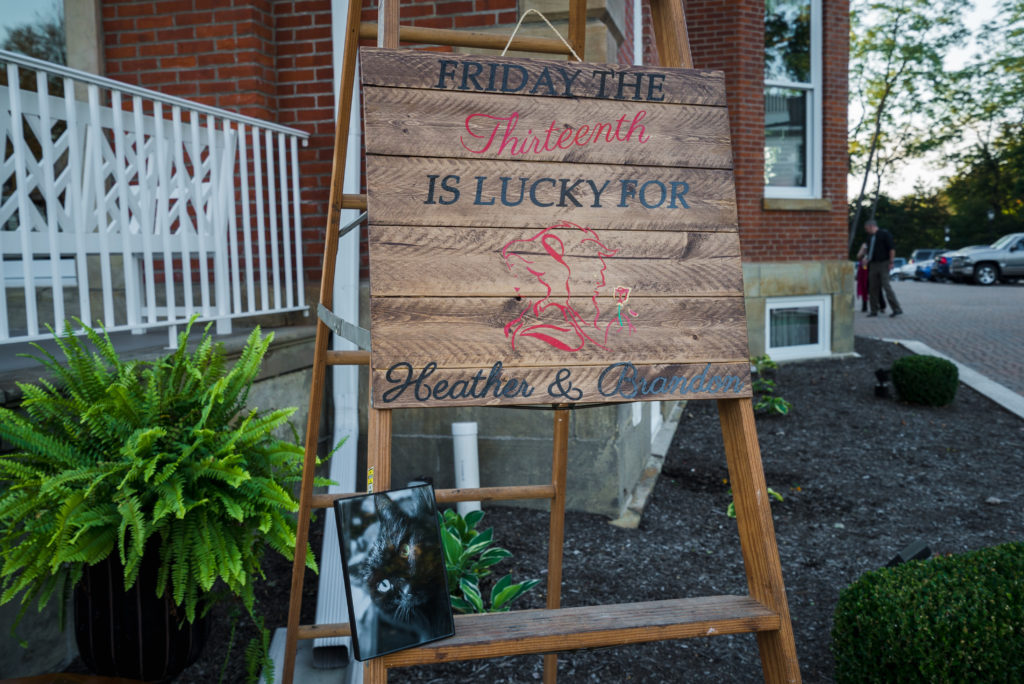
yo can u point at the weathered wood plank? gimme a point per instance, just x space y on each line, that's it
567 629
527 332
425 123
520 632
440 262
463 192
540 78
410 387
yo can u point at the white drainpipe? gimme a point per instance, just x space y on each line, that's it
331 605
467 462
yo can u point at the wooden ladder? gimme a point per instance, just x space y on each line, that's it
547 631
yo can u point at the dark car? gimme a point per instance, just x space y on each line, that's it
924 270
940 267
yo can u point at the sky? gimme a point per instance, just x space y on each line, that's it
18 12
929 171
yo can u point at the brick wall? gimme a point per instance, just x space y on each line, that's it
193 48
730 36
451 14
272 59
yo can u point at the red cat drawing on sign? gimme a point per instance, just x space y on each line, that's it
569 263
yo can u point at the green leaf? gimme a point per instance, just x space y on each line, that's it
480 542
471 591
510 593
493 555
498 587
473 518
452 547
461 605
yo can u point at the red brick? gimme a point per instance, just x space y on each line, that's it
137 9
172 6
142 64
183 62
155 22
121 52
214 30
461 7
294 21
111 26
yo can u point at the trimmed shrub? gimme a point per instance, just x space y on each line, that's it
946 619
928 380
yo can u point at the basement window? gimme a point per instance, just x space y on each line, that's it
798 327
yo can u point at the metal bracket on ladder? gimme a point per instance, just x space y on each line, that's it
353 333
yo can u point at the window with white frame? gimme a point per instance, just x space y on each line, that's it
798 327
792 98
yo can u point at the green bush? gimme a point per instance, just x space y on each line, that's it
946 619
927 380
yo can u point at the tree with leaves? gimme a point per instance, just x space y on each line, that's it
986 192
897 82
42 38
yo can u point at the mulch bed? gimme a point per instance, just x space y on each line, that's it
862 478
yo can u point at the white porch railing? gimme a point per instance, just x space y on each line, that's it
139 209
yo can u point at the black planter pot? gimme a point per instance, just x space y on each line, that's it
132 633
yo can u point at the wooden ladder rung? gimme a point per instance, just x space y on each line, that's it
349 201
471 39
521 632
513 493
357 357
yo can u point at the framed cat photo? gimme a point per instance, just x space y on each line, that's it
395 579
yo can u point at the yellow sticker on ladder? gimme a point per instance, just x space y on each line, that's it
369 480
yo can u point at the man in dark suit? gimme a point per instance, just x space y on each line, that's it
881 253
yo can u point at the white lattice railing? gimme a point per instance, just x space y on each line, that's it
122 205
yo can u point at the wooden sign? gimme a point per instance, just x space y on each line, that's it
549 232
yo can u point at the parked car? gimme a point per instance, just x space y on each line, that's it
919 255
1002 260
897 264
943 262
904 272
924 270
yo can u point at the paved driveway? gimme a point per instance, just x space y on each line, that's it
981 327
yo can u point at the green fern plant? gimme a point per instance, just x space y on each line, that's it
126 458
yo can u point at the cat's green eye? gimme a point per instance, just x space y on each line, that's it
383 586
405 551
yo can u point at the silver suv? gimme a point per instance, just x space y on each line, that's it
1002 260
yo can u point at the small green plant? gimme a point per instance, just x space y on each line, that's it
731 509
763 387
946 619
469 557
122 457
923 379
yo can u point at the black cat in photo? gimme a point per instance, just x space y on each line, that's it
403 572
